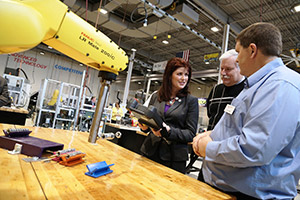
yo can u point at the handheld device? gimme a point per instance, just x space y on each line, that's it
145 115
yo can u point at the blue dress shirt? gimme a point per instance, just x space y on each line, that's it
256 149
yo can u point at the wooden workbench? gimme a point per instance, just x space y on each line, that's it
133 176
14 110
132 137
11 115
127 127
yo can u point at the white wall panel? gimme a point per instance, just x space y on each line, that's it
51 66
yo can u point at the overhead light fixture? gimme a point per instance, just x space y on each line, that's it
170 28
149 70
214 29
133 49
199 88
80 64
296 8
103 11
42 53
203 79
155 36
49 47
207 63
145 23
139 83
165 42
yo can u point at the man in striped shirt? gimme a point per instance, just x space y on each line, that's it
222 94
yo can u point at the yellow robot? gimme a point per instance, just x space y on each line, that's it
53 100
26 23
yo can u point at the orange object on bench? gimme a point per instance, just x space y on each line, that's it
68 160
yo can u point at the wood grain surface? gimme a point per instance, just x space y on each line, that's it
129 128
15 110
133 176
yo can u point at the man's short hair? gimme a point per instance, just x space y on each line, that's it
265 36
228 54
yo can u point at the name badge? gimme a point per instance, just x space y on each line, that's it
229 109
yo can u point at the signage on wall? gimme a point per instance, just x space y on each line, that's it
59 67
160 66
28 60
211 57
202 102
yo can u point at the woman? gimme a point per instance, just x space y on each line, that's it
179 111
117 113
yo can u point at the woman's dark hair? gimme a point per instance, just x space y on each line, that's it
165 91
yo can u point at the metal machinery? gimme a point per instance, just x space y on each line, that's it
86 112
57 104
51 22
19 89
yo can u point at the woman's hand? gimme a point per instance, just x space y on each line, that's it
166 126
143 126
158 133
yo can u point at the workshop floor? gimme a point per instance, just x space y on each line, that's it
196 165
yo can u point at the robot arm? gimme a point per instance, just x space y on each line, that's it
26 23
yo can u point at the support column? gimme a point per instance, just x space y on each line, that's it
148 89
224 46
80 100
128 78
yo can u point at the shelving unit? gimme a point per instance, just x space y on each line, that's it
58 98
46 100
19 89
86 112
70 95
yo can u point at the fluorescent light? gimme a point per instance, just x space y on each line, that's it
296 8
42 53
199 88
80 64
203 79
165 42
207 63
149 70
133 49
50 47
139 83
214 29
103 11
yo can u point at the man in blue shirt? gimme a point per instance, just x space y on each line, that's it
255 147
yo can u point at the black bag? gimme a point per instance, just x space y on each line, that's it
150 144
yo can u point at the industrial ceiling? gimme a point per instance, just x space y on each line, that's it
191 30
